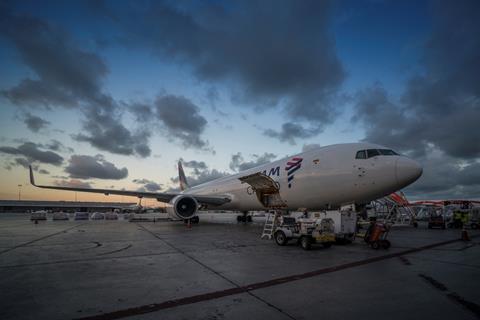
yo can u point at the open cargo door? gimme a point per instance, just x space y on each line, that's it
266 189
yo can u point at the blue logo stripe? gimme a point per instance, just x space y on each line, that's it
293 170
292 166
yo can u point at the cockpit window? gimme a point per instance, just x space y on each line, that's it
372 153
387 152
361 155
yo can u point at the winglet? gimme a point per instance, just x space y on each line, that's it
32 180
181 177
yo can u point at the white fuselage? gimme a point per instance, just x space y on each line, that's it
326 178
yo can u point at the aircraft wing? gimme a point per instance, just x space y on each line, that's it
161 197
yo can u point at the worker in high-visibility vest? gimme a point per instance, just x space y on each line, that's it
457 219
464 218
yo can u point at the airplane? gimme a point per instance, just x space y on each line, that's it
325 178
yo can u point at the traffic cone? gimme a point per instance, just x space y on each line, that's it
465 236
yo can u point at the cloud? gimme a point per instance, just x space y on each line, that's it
105 131
56 145
22 162
446 177
274 52
201 177
182 120
200 165
35 123
72 183
238 163
142 111
32 153
310 146
436 118
197 172
86 167
291 131
69 76
148 185
386 122
65 71
440 105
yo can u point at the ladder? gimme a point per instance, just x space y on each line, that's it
269 226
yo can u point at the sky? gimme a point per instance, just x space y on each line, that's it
112 94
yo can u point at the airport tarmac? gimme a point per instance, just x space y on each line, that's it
221 269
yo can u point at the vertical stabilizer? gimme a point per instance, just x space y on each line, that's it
181 177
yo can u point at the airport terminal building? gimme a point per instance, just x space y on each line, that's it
67 206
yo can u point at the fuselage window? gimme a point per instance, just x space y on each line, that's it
361 155
372 153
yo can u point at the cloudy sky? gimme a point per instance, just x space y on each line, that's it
113 93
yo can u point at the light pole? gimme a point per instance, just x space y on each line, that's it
19 192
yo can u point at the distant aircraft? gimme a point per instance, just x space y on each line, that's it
319 179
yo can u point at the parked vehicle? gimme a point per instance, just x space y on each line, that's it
474 221
97 216
436 221
80 215
60 216
305 231
38 215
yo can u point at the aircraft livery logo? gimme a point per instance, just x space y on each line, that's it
292 166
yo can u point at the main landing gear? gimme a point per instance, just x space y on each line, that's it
193 220
244 217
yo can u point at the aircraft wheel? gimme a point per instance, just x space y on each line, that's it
240 218
305 243
195 219
280 238
249 218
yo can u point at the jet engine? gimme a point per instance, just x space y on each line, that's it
182 207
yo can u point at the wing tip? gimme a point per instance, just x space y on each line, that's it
32 179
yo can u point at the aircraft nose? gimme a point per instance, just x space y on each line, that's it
407 171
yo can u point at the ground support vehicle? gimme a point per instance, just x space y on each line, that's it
376 235
344 223
305 231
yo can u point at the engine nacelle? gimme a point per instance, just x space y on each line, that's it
182 207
